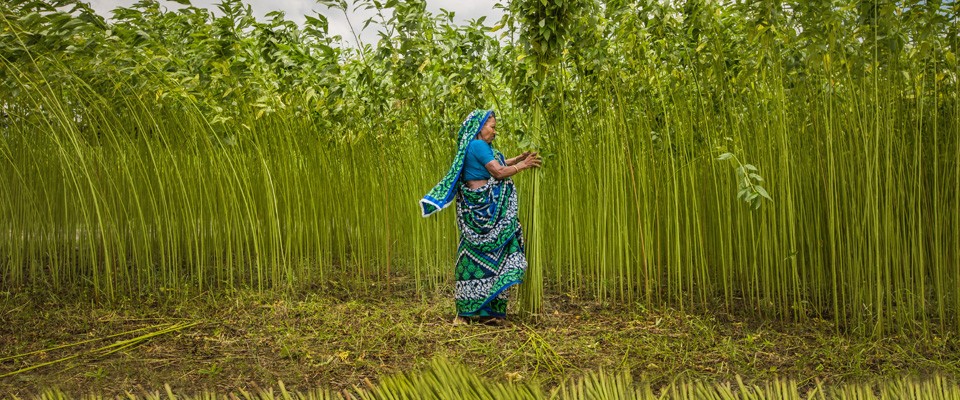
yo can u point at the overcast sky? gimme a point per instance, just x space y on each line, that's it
295 10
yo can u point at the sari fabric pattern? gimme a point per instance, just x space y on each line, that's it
490 256
443 192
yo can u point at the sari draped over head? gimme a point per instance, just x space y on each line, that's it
490 256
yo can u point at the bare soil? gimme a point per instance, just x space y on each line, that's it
326 337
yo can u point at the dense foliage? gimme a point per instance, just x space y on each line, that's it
787 158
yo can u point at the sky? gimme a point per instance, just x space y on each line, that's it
295 10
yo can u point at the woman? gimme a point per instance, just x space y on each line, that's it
490 256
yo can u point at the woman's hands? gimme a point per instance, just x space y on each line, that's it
514 165
528 160
522 156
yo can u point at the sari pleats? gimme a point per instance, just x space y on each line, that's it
490 255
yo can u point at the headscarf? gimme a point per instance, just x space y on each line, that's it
443 193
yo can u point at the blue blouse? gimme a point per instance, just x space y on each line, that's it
479 153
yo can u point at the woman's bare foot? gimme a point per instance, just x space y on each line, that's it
458 320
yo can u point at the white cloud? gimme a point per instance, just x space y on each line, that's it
295 10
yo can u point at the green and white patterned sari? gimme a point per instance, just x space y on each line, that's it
490 255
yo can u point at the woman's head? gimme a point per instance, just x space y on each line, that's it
489 129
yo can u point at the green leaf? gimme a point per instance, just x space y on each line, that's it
762 192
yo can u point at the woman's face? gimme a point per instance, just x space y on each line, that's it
489 130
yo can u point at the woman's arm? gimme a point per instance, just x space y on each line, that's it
500 172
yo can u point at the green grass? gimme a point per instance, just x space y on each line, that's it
334 338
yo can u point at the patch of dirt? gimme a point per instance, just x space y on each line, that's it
319 338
